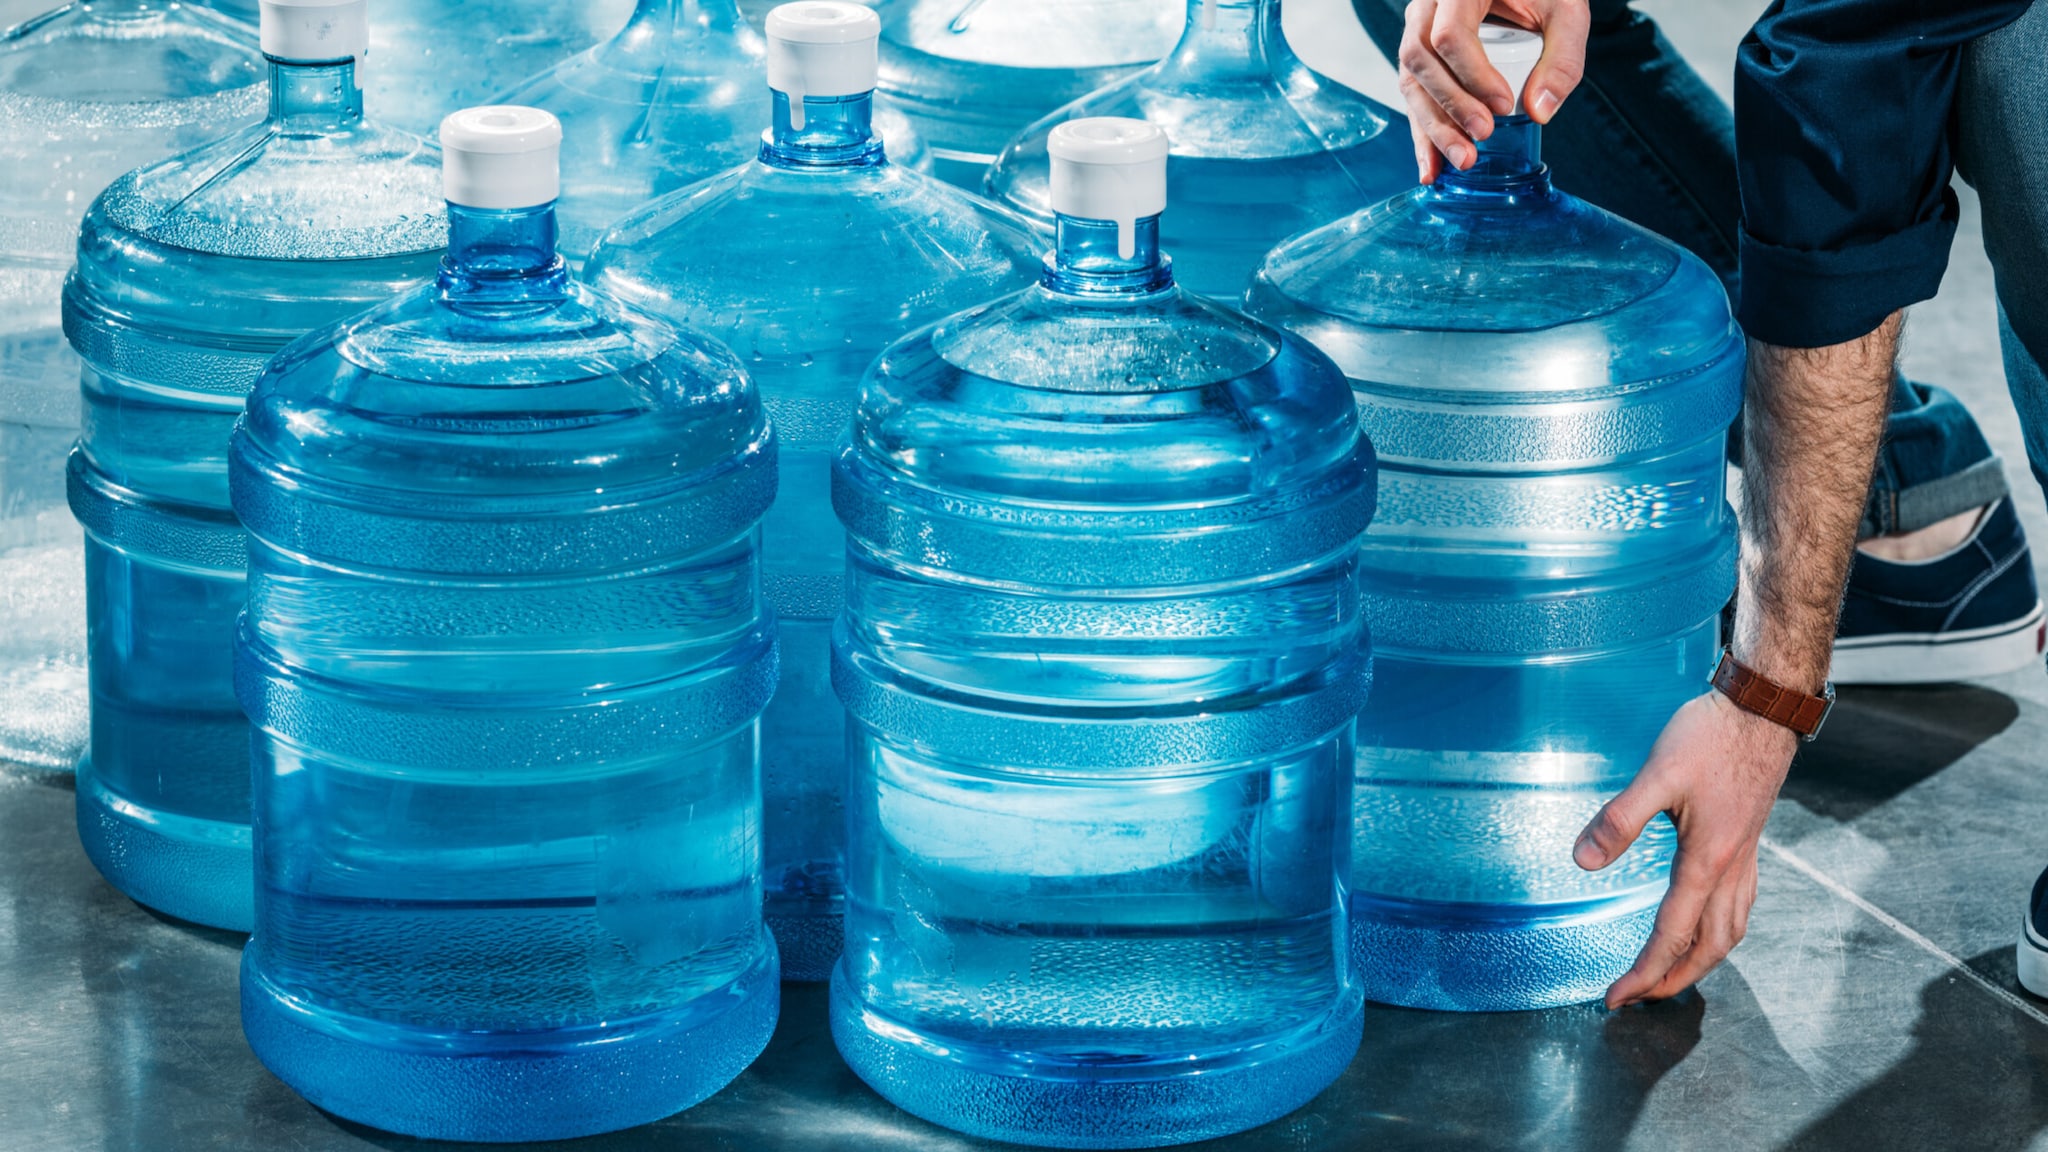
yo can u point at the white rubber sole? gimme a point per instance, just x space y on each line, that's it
1917 658
2033 960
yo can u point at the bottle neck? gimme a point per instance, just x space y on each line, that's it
656 24
823 132
1091 258
1225 36
1510 162
314 97
503 256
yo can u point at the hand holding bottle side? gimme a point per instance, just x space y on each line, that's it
1454 92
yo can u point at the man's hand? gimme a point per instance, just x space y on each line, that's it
1453 93
1716 770
1812 420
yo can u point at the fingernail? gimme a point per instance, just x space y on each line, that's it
1475 126
1546 103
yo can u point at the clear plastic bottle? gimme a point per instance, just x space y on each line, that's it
191 273
430 57
808 262
971 76
244 10
676 96
505 655
1263 148
1550 389
1102 651
87 92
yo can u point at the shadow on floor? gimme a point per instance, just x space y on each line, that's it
1972 1057
1881 741
1568 1078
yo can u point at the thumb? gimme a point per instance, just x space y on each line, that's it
1617 825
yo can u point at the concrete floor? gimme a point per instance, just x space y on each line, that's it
1873 1006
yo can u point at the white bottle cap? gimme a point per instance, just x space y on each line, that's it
1514 51
501 156
312 31
1109 168
821 48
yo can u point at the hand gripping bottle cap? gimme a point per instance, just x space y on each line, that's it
1109 168
821 48
314 31
501 157
1514 51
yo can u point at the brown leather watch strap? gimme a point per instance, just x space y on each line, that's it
1787 707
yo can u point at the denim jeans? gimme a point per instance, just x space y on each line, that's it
1645 138
2002 152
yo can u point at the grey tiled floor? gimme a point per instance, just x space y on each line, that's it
1873 1006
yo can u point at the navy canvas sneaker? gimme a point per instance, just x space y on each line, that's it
1972 611
2033 951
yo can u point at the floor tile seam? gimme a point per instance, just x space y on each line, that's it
1904 930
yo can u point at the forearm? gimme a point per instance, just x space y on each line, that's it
1812 423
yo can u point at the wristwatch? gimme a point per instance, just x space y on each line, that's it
1787 707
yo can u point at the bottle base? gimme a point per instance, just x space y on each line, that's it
1421 956
1092 1105
182 866
809 944
529 1086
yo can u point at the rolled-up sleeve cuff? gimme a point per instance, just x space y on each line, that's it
1796 298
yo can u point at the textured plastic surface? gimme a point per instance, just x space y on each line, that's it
1549 389
678 95
505 655
87 92
1263 148
970 77
191 274
807 262
1097 817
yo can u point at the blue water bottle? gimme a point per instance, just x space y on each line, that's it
971 76
190 275
1102 652
1550 390
434 56
675 97
808 262
505 655
87 92
1263 148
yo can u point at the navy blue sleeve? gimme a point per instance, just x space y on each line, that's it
1843 112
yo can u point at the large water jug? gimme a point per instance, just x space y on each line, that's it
87 92
430 57
505 655
1550 389
191 274
971 76
677 96
1263 148
1102 652
808 262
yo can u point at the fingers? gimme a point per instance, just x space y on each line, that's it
1723 923
1620 821
1678 927
1477 91
1565 27
1440 112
